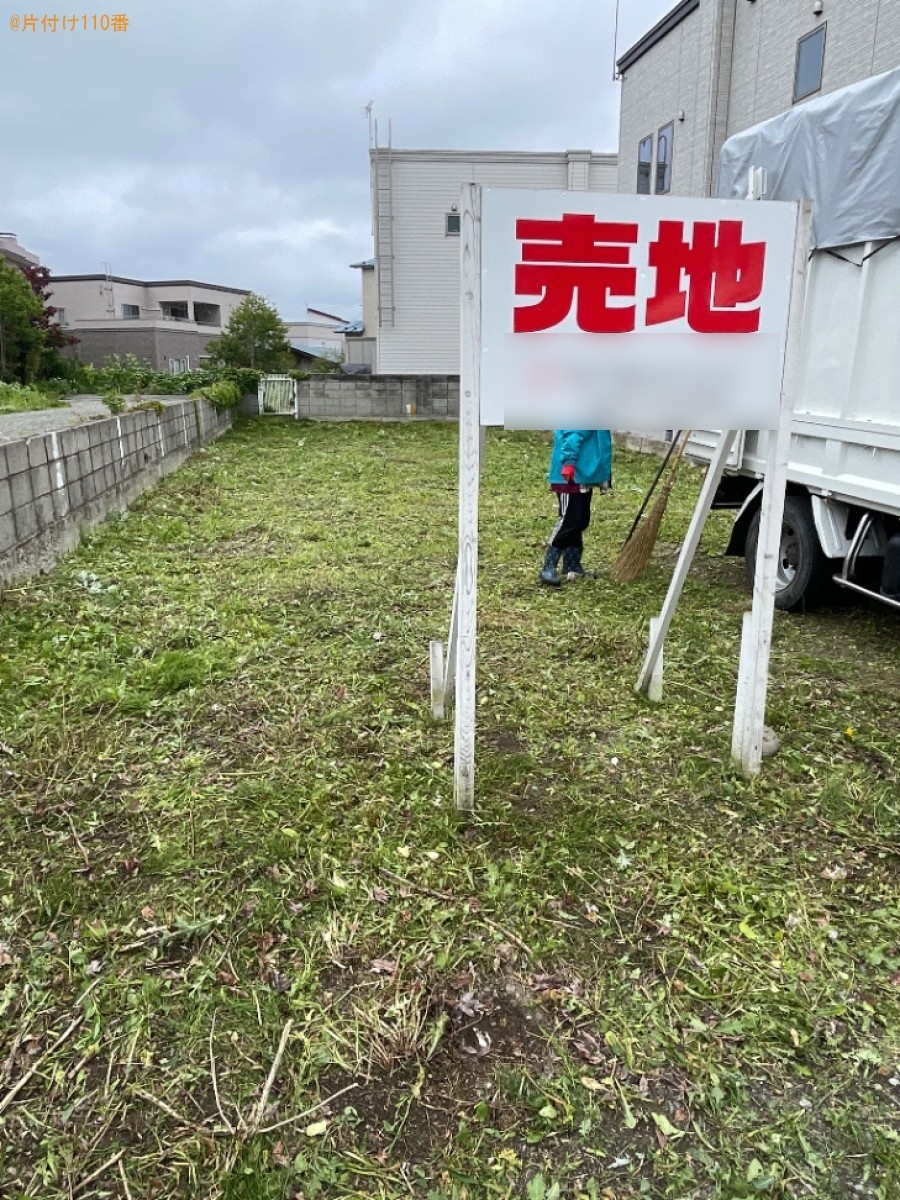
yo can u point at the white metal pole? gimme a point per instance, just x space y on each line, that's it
753 679
469 446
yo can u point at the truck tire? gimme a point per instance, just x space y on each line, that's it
803 574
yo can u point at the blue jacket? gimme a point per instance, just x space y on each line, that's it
589 449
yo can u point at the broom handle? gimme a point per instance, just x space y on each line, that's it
659 475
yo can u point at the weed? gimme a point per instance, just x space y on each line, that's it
247 949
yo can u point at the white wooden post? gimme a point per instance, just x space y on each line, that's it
443 666
740 731
452 640
655 686
660 627
756 641
436 662
469 446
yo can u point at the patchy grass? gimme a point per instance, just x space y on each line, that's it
248 951
16 398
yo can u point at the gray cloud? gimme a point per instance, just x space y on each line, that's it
227 142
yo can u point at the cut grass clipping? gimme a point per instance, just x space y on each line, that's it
246 949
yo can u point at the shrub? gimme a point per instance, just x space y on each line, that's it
115 402
126 375
222 394
16 398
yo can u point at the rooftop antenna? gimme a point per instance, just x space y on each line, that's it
616 73
367 109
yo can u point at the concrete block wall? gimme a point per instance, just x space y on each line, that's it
56 486
380 397
375 398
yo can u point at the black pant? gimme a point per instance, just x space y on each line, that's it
574 518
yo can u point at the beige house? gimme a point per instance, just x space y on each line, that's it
168 323
411 294
711 68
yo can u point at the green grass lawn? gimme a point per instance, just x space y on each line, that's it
247 949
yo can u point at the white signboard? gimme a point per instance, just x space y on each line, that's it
633 312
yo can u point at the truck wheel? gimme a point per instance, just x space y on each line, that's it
802 567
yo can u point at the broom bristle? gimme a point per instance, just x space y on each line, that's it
638 550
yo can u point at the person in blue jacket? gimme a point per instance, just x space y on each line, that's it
581 461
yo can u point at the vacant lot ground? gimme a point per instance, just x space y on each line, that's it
248 951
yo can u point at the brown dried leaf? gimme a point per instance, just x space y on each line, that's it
468 1006
588 1048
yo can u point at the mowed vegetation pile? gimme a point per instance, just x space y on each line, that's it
247 950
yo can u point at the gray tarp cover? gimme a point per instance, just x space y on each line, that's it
842 151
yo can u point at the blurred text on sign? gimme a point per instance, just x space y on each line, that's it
633 312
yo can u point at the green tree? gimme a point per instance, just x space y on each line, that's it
255 337
23 340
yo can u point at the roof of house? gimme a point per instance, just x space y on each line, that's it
351 327
505 156
14 252
367 264
661 29
312 351
214 287
320 312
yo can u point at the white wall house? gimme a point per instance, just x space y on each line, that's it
415 200
711 68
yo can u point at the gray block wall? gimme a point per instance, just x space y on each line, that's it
56 486
374 398
380 397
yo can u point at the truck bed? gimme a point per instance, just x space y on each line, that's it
845 442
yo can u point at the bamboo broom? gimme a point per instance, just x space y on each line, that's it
639 546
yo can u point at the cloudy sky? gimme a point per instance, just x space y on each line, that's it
225 140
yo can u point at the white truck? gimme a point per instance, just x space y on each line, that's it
842 508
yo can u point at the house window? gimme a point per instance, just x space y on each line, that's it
664 159
179 366
174 310
60 316
810 60
131 312
645 165
452 224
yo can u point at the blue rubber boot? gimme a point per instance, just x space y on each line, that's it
572 568
549 573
